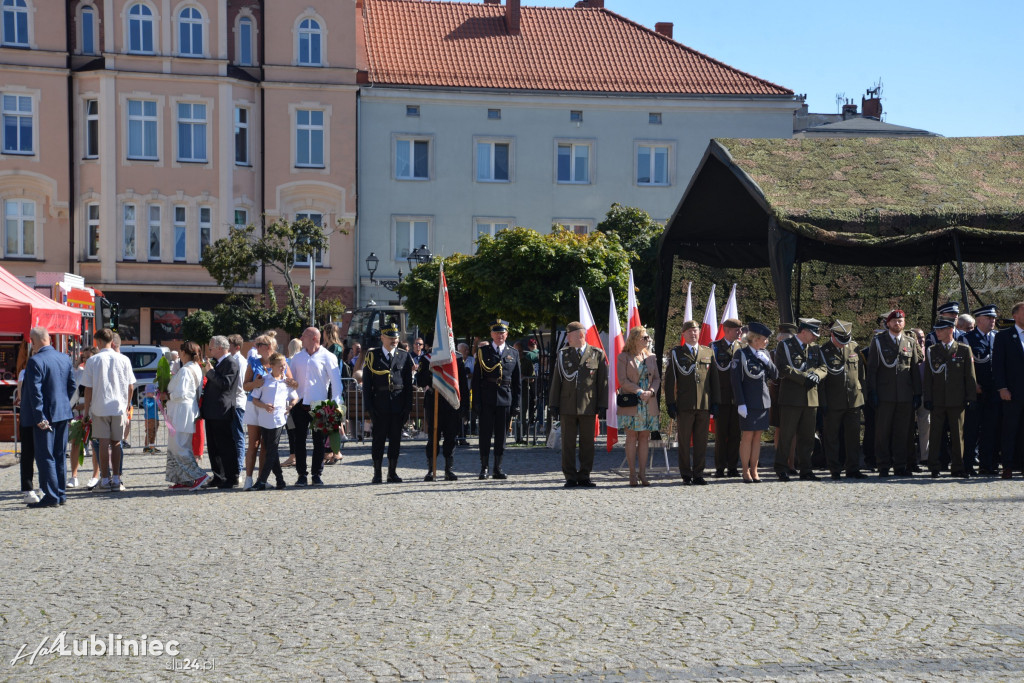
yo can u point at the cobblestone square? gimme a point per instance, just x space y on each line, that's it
521 579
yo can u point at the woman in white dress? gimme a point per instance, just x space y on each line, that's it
182 399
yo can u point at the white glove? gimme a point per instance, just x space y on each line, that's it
763 355
742 410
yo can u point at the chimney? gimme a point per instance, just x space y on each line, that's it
492 2
664 28
871 106
590 4
849 111
512 17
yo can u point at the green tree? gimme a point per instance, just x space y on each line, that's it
639 235
198 327
419 291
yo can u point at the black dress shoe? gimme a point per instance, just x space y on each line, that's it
856 474
792 472
450 476
586 484
836 475
498 474
783 476
936 474
808 476
882 474
962 475
43 504
394 478
570 484
301 481
461 442
483 474
916 469
734 473
700 481
970 472
317 481
687 480
377 479
429 477
719 474
900 472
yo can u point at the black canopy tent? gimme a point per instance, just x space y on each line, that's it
854 201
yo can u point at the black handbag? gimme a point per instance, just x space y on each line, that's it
627 400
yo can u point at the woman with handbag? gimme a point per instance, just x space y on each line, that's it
752 368
638 411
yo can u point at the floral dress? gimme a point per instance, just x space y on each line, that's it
643 421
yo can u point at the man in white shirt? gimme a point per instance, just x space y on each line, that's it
108 380
316 371
238 426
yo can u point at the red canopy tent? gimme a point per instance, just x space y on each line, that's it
22 308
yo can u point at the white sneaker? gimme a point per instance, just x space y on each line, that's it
31 497
73 483
92 483
104 484
248 484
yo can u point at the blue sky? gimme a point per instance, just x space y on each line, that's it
954 68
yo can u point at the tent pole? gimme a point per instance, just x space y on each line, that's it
799 288
935 289
960 268
781 257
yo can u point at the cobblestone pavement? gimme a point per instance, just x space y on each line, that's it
467 580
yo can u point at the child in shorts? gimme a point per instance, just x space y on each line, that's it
272 401
152 418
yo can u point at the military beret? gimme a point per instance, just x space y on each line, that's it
985 310
813 325
897 313
943 323
499 325
691 325
949 308
842 331
732 322
759 328
574 326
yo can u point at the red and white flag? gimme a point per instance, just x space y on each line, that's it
632 310
688 311
709 329
592 337
443 366
731 310
615 344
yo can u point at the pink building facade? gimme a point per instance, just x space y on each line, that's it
138 132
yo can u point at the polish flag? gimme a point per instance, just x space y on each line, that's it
632 310
688 311
616 342
709 329
592 337
731 310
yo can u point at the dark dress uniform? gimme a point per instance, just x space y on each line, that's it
981 419
579 393
892 378
387 398
449 420
497 386
691 391
801 368
751 372
1008 373
727 422
841 399
868 445
949 385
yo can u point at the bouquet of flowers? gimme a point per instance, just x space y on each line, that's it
78 433
327 417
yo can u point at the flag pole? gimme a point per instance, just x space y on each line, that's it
434 437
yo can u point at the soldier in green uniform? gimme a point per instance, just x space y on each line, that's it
579 392
387 397
727 423
893 382
841 400
950 386
801 367
692 394
497 384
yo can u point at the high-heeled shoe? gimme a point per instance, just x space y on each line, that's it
633 480
747 481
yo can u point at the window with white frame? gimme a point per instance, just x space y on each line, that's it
190 32
652 164
309 138
20 228
318 220
579 226
310 35
242 136
245 42
140 29
412 159
88 28
128 230
493 161
574 162
92 230
153 253
205 229
18 118
180 232
15 23
490 227
241 218
191 132
92 129
142 122
410 233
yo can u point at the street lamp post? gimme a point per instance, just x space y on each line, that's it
372 261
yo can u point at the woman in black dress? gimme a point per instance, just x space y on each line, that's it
752 368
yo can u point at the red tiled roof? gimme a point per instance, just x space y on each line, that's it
467 45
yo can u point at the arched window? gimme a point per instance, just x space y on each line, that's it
15 23
245 51
309 42
140 29
88 26
190 32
